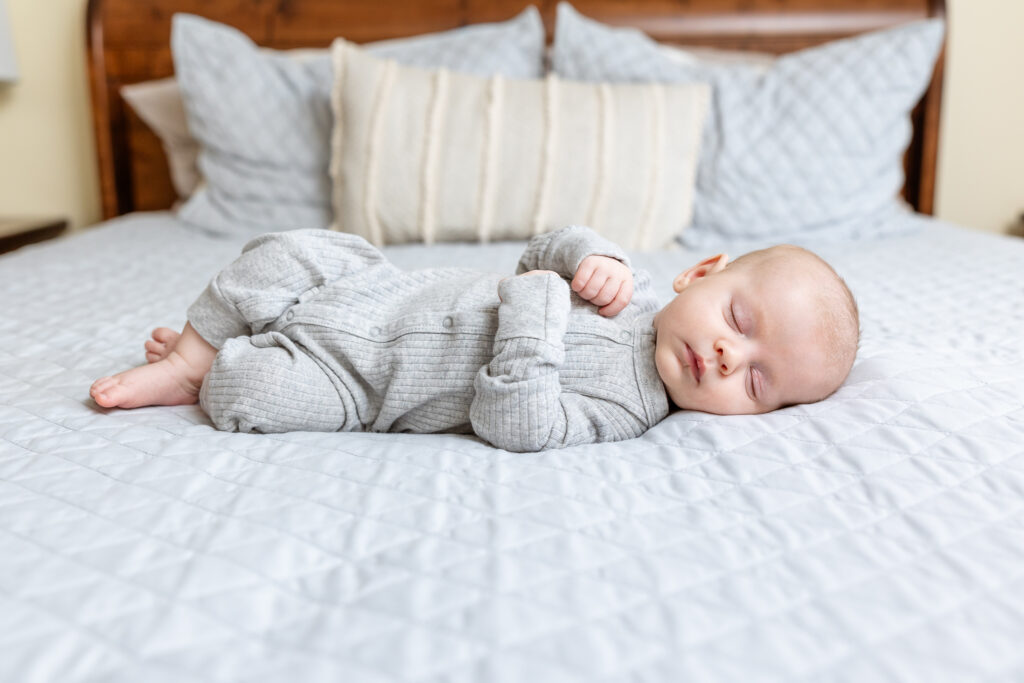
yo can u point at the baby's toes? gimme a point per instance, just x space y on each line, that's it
163 342
101 391
166 335
112 392
155 350
103 382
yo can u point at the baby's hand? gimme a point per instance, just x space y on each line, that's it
604 282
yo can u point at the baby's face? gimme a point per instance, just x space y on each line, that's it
742 340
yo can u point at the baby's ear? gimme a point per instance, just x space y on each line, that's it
708 266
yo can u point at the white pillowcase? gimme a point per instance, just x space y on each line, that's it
434 155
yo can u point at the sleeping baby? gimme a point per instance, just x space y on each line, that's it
315 330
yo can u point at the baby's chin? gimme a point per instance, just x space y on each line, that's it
681 399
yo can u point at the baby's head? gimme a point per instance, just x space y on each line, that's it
773 328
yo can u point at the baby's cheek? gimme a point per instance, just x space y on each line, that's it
659 365
670 379
722 397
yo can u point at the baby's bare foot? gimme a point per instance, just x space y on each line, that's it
163 342
167 382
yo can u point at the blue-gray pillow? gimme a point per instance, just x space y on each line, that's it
810 147
263 119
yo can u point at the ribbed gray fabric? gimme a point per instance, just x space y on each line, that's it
316 330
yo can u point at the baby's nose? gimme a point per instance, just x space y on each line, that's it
725 357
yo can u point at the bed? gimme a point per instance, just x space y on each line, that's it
877 535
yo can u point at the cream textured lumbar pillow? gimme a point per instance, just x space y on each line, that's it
432 155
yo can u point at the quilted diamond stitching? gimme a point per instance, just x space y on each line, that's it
804 544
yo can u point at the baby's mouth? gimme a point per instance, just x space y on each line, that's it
696 363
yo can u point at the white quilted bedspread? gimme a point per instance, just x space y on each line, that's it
878 535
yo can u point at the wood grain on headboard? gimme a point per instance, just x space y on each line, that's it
129 41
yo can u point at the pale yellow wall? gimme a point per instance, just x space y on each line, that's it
981 148
47 162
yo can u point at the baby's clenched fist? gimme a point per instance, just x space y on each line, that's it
604 282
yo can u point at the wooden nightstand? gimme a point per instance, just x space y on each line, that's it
18 231
1018 227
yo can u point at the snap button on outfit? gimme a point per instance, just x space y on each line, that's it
625 335
448 322
289 315
375 331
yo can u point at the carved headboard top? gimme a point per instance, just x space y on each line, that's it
128 41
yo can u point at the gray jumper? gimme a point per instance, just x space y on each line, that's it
317 331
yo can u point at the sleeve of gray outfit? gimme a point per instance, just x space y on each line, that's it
519 404
563 250
270 276
644 296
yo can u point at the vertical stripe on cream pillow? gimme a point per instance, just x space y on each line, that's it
433 155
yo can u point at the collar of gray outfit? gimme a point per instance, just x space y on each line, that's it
652 390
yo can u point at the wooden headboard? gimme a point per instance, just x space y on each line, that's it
129 41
